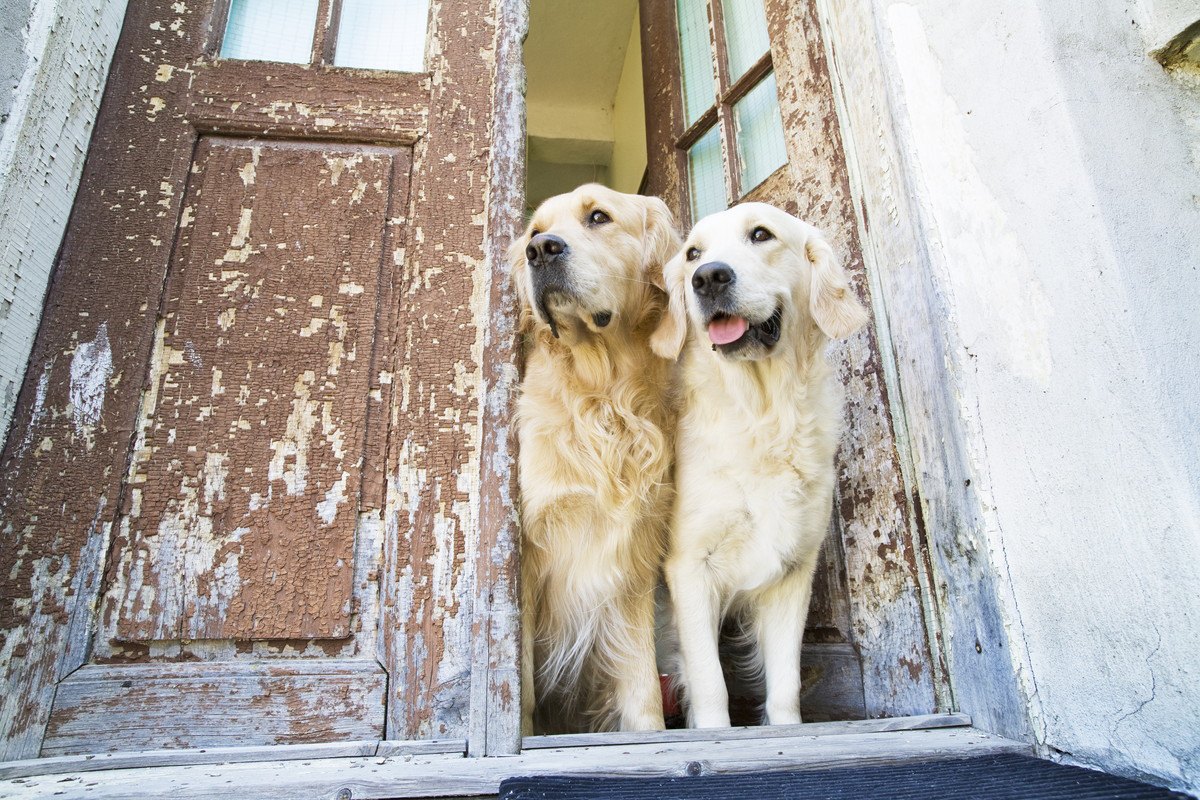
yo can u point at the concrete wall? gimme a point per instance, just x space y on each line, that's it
54 57
1055 169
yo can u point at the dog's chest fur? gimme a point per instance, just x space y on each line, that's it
754 471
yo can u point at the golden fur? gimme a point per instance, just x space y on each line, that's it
595 432
757 433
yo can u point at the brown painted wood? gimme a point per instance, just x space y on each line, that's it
138 707
243 494
92 468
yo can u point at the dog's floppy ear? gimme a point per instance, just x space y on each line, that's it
660 240
516 266
831 300
667 340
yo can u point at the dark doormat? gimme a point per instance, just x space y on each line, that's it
1004 777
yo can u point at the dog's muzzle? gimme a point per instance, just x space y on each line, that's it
547 257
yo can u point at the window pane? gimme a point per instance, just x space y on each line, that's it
382 34
758 130
745 34
699 93
706 175
270 30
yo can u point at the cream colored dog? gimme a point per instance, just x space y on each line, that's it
595 437
759 425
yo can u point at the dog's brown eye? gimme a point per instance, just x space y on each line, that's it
534 232
598 217
693 253
761 234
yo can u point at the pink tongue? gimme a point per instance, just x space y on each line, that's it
729 329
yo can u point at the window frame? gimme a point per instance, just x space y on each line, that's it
720 113
324 41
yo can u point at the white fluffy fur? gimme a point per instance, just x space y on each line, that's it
754 453
595 434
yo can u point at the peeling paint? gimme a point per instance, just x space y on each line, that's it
91 367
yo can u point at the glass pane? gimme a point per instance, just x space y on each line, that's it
270 30
695 55
745 34
758 129
706 175
382 34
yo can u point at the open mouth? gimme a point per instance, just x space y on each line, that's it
731 332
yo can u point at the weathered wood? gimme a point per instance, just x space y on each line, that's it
243 492
973 642
188 705
177 758
93 762
269 99
63 486
881 541
440 776
845 728
435 447
495 723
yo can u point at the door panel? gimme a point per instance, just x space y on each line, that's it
244 487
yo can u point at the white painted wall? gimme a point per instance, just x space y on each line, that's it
1055 168
52 72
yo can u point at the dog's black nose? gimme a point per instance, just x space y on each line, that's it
544 248
713 278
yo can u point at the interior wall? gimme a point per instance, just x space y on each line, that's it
54 59
1055 168
629 119
586 121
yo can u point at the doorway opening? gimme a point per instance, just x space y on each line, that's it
585 111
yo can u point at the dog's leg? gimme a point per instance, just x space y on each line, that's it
697 618
779 627
638 691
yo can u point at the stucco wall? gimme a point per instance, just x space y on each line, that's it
55 57
1056 170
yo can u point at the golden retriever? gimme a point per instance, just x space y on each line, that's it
595 430
758 427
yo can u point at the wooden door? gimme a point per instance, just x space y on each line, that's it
243 499
740 106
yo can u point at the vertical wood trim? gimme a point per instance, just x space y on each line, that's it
666 169
495 723
974 657
733 187
329 13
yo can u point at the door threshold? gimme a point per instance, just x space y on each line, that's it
416 774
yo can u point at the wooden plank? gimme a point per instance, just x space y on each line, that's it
272 99
495 723
435 462
392 749
177 758
191 705
441 776
973 644
923 722
94 762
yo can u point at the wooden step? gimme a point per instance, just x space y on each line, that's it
414 774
